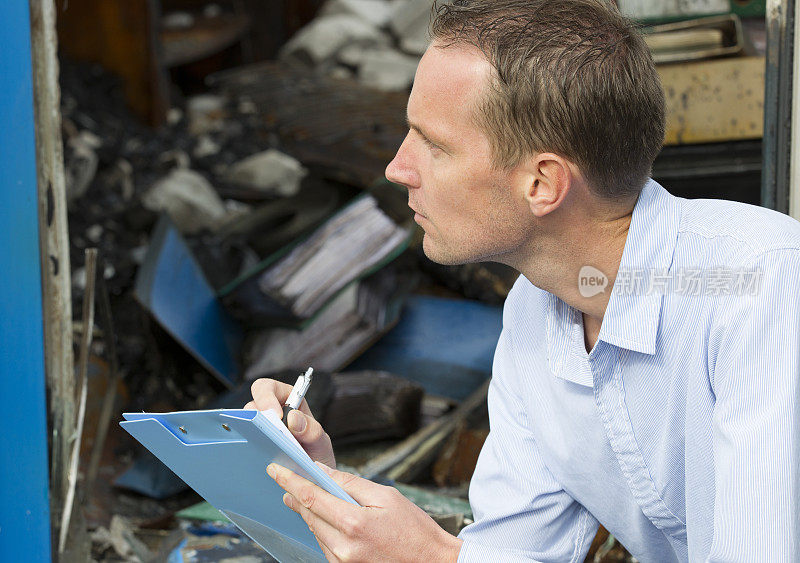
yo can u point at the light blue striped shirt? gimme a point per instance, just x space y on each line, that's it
679 431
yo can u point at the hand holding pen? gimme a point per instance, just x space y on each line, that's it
269 394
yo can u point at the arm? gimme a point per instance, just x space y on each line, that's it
521 512
755 353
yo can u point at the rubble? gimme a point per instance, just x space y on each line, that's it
410 24
406 460
121 539
379 42
189 199
376 12
345 130
354 319
320 40
445 345
387 69
223 169
205 147
457 460
206 113
271 171
82 158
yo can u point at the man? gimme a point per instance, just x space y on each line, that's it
647 374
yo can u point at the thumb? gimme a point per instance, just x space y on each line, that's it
362 490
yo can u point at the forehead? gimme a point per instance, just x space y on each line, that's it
448 84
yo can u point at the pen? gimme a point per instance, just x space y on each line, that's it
298 392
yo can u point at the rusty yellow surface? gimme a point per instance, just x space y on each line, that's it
713 101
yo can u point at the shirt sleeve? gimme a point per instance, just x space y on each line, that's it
754 352
521 512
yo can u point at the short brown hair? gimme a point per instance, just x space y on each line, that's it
573 77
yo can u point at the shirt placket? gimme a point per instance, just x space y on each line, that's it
606 362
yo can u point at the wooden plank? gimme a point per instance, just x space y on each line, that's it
794 165
83 371
121 35
54 248
714 101
403 461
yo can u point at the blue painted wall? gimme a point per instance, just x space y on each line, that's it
24 512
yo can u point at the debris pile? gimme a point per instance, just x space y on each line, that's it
223 257
376 42
253 236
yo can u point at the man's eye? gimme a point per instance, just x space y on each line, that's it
431 145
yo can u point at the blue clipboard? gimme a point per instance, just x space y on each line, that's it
223 455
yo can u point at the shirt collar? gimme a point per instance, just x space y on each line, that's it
631 320
632 317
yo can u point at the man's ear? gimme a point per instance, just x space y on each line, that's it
549 180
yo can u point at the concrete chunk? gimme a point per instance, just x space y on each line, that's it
410 22
271 171
189 199
81 160
206 113
351 55
375 12
322 38
387 70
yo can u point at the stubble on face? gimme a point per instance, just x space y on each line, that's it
490 232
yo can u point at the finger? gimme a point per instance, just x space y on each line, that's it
249 406
269 394
319 501
305 427
325 534
363 491
311 436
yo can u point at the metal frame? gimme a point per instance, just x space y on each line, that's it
778 97
24 508
794 172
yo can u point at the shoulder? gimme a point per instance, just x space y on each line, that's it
525 303
525 316
521 347
746 231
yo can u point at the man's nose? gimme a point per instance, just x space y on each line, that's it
401 169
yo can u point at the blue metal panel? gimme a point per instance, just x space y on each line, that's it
171 285
24 511
445 345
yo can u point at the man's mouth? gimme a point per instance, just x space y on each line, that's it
416 212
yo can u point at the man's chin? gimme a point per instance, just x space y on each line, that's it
440 255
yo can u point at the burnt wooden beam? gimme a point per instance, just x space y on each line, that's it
122 36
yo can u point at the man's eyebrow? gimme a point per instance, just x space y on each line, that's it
419 130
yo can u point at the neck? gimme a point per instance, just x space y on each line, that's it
559 262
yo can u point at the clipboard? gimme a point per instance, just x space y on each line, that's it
223 455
